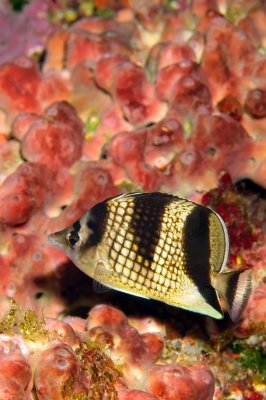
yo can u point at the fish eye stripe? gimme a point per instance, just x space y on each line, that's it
96 222
77 225
73 237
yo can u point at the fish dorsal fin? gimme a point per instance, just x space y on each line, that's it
126 196
193 300
219 242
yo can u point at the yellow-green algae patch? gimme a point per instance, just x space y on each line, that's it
32 328
101 370
26 323
9 319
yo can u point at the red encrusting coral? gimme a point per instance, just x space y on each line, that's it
55 139
59 371
245 228
15 372
24 192
169 382
65 364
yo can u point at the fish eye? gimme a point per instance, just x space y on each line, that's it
73 238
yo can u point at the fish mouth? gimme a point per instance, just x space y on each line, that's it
51 238
54 240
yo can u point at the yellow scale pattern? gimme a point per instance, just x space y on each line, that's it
156 275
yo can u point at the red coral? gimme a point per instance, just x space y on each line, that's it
230 106
15 372
227 58
21 124
60 374
256 103
126 150
23 192
191 94
106 68
19 84
174 382
168 53
93 183
56 139
222 144
253 26
136 96
235 210
84 46
168 77
135 395
184 86
254 396
137 351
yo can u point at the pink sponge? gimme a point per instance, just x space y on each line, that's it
19 84
57 366
93 183
174 382
55 139
126 150
23 192
134 350
15 371
84 46
136 96
135 395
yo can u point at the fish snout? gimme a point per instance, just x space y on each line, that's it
51 238
56 239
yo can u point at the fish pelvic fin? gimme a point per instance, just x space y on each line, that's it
235 287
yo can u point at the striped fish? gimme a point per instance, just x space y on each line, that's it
158 246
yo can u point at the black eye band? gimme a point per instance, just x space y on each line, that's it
73 237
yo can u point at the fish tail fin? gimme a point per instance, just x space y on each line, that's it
235 287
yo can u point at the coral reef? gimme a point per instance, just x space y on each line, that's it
105 360
101 97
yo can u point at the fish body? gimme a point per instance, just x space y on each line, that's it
158 246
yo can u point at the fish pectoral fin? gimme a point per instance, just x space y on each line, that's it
101 275
235 287
99 287
204 301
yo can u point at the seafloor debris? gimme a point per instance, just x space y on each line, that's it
98 97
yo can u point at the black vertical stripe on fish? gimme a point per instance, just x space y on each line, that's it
77 225
231 289
146 222
96 223
197 253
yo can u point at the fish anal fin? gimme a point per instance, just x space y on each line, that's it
194 301
235 287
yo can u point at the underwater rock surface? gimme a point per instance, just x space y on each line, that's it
103 97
